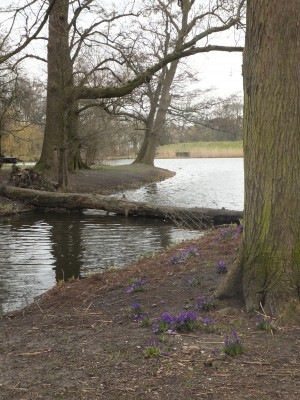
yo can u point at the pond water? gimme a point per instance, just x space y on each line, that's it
38 249
199 182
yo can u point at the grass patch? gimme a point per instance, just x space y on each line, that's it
203 149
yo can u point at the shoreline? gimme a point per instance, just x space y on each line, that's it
105 180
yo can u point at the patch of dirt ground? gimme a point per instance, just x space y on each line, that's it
81 340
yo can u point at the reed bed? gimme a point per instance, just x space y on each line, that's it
202 150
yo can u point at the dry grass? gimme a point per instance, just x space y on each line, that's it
207 153
203 150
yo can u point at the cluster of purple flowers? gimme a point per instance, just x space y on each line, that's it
169 319
136 308
232 233
206 303
184 322
208 321
221 268
184 255
232 345
165 324
231 339
139 314
136 285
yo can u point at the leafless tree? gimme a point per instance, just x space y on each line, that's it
99 45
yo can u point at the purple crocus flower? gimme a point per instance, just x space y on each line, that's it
221 268
168 318
136 307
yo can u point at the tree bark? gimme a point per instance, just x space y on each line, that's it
160 117
270 258
59 81
154 99
75 201
61 128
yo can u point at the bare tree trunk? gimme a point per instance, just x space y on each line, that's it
59 81
270 259
74 142
154 134
154 98
61 128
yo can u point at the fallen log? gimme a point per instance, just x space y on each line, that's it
77 201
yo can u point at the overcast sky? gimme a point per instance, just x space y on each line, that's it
222 71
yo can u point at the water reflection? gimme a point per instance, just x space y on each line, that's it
67 248
39 249
25 260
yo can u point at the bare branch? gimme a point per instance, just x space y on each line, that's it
10 54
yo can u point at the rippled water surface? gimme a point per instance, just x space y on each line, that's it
38 249
199 182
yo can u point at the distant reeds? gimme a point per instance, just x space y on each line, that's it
202 150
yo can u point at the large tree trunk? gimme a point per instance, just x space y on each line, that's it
59 82
270 259
61 128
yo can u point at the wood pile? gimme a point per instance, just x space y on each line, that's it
31 179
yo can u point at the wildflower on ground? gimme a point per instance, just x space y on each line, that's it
136 308
184 255
206 303
232 345
221 268
166 323
153 349
186 322
232 232
143 320
192 252
177 259
136 285
208 321
208 325
265 323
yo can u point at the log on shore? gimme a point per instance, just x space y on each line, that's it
77 201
